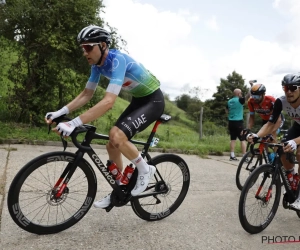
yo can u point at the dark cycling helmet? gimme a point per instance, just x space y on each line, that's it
94 34
258 89
291 79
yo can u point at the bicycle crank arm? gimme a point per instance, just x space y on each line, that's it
154 194
294 209
107 209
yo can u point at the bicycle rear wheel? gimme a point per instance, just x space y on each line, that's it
31 197
246 168
174 177
258 204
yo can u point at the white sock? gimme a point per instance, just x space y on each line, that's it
141 165
232 154
291 171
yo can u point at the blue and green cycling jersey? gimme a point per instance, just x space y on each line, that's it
124 73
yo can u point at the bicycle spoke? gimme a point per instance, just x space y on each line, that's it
257 210
39 205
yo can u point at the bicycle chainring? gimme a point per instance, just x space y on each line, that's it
115 201
161 186
287 199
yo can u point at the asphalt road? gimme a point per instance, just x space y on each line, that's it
207 218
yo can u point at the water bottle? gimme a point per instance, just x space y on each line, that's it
290 177
114 170
295 181
272 157
127 173
154 142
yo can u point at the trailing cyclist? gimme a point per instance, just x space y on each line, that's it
263 105
290 103
125 73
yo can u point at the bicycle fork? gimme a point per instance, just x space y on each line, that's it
267 197
65 177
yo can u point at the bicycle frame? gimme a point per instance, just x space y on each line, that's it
85 147
262 153
278 171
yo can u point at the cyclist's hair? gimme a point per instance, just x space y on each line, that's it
291 79
94 33
258 89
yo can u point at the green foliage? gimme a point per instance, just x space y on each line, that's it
179 115
8 56
215 108
210 128
190 104
183 101
49 70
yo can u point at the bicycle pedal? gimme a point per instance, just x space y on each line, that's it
107 209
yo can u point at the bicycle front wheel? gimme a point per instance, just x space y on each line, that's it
31 199
245 168
173 175
259 199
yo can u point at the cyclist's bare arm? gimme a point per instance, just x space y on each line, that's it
249 92
99 109
78 102
84 97
266 129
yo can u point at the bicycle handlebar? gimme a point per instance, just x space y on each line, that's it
74 134
289 156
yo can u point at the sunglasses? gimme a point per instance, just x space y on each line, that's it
291 88
256 97
88 47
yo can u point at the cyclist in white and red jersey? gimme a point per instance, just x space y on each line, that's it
290 103
146 106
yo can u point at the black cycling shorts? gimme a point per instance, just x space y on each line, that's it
140 113
235 128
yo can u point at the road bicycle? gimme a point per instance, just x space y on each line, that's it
251 161
253 158
54 191
261 193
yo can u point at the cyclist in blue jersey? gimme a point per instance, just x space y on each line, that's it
146 106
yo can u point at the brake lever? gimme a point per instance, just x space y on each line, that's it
49 125
49 128
57 121
64 142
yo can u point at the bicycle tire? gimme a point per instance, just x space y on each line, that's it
30 198
173 169
248 195
241 176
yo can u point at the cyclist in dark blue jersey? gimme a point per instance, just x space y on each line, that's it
125 73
